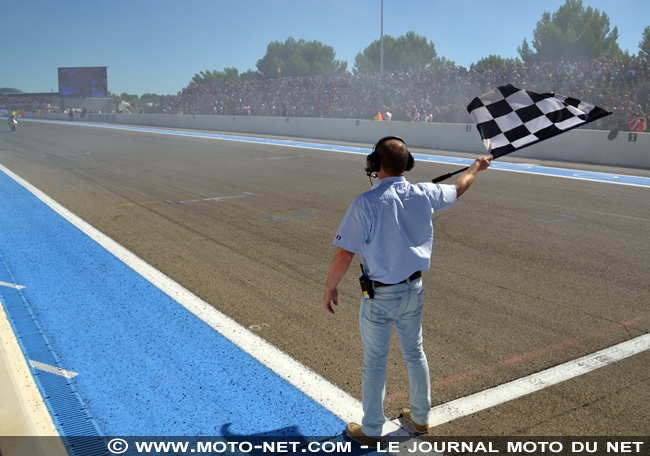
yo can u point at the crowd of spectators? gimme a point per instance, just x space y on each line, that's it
434 95
438 95
30 102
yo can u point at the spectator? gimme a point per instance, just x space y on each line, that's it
638 123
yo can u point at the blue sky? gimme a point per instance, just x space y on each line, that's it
157 46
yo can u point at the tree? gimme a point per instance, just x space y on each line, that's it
495 61
250 75
299 58
644 45
409 51
441 63
572 33
128 96
207 76
150 97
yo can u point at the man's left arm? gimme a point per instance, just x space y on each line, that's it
340 265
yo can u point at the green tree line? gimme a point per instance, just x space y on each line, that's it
572 33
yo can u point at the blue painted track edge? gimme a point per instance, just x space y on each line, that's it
59 394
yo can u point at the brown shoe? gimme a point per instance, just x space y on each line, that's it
355 433
419 428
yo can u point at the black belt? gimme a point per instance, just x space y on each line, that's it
415 275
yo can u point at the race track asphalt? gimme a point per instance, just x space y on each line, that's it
528 271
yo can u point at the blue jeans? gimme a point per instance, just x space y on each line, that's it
400 306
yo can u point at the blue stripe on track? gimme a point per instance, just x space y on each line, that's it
146 365
496 165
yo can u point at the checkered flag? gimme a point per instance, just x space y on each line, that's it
509 118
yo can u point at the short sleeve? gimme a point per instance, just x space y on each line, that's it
441 196
355 227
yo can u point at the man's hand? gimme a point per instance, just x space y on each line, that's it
484 162
331 297
338 268
467 178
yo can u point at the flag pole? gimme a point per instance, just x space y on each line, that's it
448 175
494 157
381 41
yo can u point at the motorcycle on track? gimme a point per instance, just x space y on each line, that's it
12 123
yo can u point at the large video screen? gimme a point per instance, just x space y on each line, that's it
83 82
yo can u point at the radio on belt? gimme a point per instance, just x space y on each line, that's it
366 285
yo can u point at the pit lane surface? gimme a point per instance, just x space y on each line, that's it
528 271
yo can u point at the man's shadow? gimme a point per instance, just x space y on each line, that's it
289 440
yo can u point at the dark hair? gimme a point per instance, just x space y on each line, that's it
393 156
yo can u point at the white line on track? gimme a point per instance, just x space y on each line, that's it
482 400
218 198
52 369
11 285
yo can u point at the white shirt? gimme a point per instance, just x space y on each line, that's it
390 227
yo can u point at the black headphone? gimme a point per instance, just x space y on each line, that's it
372 161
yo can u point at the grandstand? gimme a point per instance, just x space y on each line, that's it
432 95
437 95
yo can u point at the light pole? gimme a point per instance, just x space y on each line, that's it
381 41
